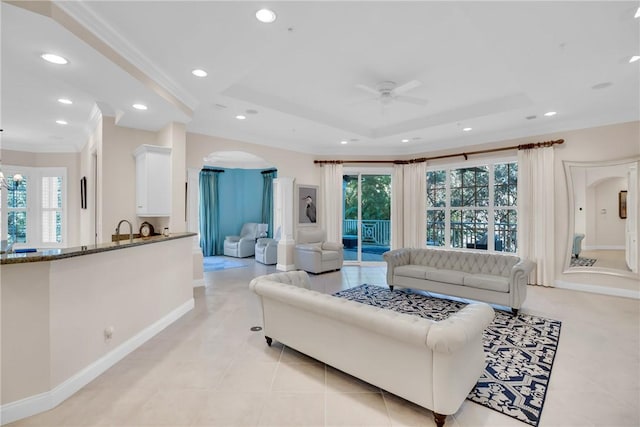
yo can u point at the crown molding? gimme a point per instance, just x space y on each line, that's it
84 16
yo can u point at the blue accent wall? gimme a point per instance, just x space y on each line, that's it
240 198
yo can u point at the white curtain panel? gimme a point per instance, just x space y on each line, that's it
332 203
397 206
414 214
536 224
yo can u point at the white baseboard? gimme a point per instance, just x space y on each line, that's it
198 283
285 267
32 405
604 248
604 290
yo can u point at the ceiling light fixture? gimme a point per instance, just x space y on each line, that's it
550 113
344 142
240 117
139 106
61 122
405 140
266 16
466 129
637 15
65 101
54 59
633 59
11 183
199 72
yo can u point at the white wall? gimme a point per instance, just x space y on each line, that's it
609 227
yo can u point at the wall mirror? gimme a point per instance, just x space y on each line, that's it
603 217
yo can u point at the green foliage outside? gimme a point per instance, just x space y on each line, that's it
376 197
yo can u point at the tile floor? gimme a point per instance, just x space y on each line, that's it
209 369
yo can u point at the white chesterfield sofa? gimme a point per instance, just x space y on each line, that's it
493 278
433 364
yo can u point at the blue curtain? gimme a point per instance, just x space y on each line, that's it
267 199
211 241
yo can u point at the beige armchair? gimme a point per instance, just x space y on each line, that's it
313 254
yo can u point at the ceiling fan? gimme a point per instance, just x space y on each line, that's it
388 91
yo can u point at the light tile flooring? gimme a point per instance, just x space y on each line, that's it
209 369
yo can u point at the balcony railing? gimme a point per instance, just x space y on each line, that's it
374 232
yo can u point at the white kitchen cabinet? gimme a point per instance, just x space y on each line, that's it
153 180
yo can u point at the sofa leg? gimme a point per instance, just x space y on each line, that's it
439 418
269 340
390 287
514 311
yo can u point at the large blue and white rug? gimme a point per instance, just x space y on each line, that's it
519 349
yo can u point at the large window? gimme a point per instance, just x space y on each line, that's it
466 205
33 209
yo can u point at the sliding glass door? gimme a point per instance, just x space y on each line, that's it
366 226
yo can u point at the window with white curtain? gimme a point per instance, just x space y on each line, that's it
33 211
467 204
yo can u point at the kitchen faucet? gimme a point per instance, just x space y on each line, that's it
130 231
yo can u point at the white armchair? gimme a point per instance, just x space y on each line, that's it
313 254
267 249
242 246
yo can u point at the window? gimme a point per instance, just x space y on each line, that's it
466 205
33 211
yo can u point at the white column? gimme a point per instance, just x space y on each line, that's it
283 218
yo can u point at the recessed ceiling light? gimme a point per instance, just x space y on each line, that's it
251 112
531 117
637 15
139 106
199 73
61 122
265 15
405 140
65 101
550 113
240 117
634 58
343 142
54 59
466 129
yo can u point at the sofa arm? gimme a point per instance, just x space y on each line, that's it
453 333
518 281
332 246
396 258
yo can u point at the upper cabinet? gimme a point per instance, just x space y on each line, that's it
153 180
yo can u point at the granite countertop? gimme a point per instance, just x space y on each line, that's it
55 254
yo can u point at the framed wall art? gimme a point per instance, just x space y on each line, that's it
307 202
622 204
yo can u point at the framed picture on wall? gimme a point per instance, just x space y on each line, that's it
83 192
307 202
622 204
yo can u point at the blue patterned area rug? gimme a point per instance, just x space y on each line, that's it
519 349
215 263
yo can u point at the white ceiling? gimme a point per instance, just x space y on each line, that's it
484 65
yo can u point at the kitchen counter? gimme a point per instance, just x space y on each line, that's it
56 253
67 315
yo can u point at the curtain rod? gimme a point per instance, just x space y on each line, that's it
205 169
445 156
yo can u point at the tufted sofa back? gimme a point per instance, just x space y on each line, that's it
469 262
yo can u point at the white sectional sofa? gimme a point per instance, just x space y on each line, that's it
493 278
433 364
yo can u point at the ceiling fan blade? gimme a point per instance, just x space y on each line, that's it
411 100
407 86
368 89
